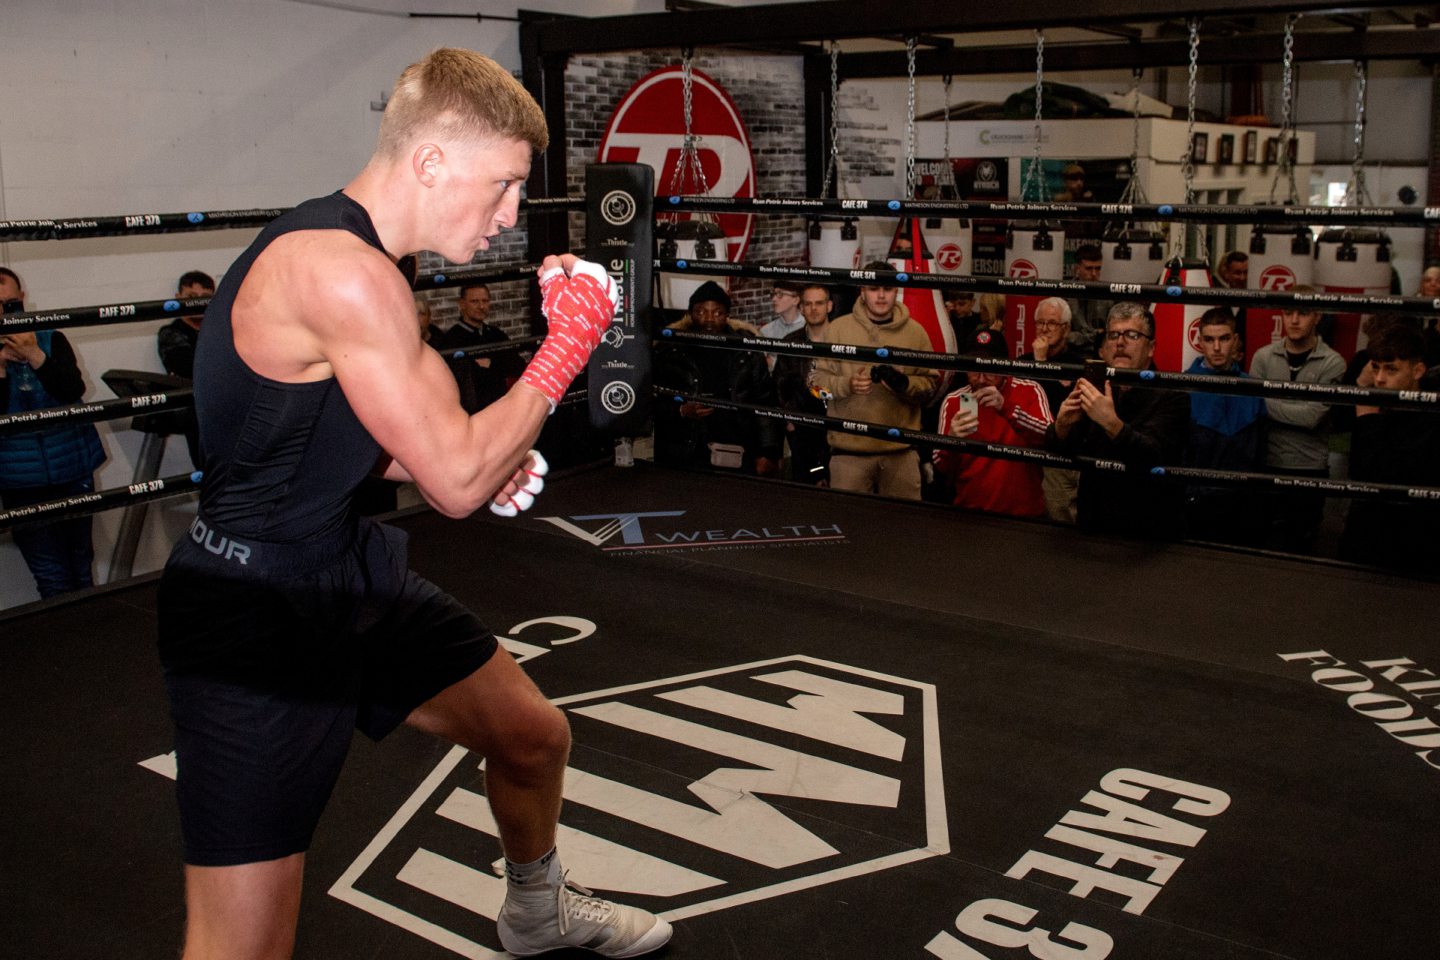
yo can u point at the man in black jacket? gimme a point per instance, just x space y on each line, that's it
1134 426
484 379
1395 446
695 434
809 449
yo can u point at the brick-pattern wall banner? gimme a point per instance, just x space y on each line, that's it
509 301
768 91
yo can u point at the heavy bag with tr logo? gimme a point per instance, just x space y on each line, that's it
619 235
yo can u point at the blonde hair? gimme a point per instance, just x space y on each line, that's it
459 95
991 307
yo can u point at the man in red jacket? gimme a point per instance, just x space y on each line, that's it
994 408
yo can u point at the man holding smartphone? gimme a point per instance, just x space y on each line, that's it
994 408
880 393
1137 426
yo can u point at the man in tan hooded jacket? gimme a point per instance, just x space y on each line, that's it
886 394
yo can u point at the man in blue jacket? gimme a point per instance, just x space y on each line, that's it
38 371
1226 433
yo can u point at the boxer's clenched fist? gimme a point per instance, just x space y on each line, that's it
522 489
578 300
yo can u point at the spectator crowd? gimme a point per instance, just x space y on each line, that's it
1118 432
1107 424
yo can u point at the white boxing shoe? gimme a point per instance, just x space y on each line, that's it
538 918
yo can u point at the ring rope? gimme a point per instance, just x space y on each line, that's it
138 310
26 421
1012 209
1046 370
1334 488
99 501
1140 292
141 224
152 223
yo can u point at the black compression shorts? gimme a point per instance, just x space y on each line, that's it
270 666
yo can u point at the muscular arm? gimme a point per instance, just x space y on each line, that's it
361 326
404 394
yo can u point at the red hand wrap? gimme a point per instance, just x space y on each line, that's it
579 310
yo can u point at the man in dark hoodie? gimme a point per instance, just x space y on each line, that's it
1395 446
695 434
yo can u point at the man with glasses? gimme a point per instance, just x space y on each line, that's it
1052 344
1136 426
785 299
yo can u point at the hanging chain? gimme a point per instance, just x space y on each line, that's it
1134 192
1187 168
689 159
832 168
1355 192
1135 131
947 79
910 120
1035 177
1286 166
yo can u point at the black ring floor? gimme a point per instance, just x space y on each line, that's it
815 725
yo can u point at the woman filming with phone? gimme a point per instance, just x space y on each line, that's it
38 370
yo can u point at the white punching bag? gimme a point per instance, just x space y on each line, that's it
1132 255
688 240
1352 261
834 244
950 245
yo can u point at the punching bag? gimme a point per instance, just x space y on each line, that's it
1132 255
834 244
1177 325
1351 261
688 240
950 245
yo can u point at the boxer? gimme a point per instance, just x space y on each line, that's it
309 375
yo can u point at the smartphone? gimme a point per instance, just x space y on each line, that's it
1095 373
967 405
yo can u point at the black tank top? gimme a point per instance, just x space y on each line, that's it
281 460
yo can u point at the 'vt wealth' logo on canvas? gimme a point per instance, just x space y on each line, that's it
600 529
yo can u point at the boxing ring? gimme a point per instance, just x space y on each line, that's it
809 724
812 724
